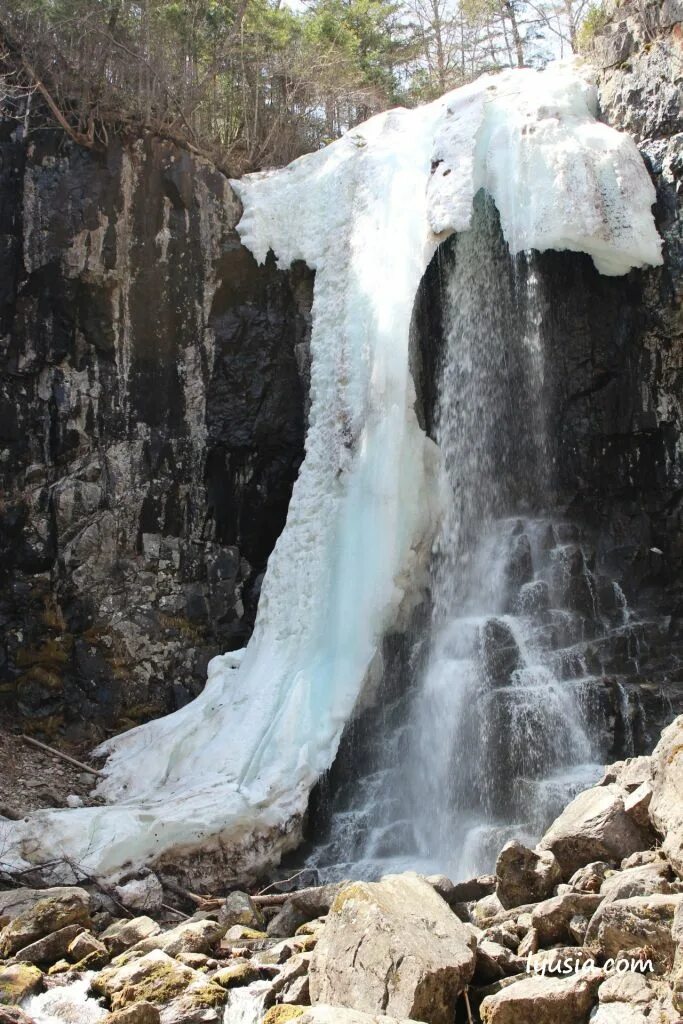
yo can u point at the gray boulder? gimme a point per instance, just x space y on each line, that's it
239 908
302 907
539 1000
635 924
54 911
666 806
594 826
524 875
392 947
552 917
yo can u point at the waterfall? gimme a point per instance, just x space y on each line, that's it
230 774
494 731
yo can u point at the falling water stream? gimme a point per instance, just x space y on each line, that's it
489 733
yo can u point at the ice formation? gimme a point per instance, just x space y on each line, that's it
367 213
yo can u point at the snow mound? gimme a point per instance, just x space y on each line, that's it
234 768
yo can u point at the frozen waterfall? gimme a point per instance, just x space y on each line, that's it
231 772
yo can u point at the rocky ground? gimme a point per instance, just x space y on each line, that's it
31 778
535 943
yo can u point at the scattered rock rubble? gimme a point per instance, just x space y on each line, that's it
536 943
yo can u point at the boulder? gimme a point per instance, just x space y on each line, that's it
578 926
666 806
18 982
487 909
125 933
156 978
392 947
594 826
86 945
15 902
639 881
302 907
136 1013
505 933
637 805
626 988
142 894
622 1013
472 889
188 937
338 1015
239 908
68 906
295 968
239 972
529 943
296 992
14 1015
539 1000
282 1014
558 960
631 773
498 651
634 924
494 961
524 875
590 877
552 917
51 947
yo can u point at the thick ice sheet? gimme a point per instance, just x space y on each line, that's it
367 214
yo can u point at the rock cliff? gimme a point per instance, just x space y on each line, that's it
152 408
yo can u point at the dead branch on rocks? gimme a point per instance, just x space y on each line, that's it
64 757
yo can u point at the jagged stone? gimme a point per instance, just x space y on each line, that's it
125 933
188 937
638 881
157 978
551 918
626 988
333 1015
236 974
494 961
590 877
143 894
302 907
505 933
637 805
559 960
239 908
525 876
51 947
15 902
666 807
136 1013
529 943
498 651
18 981
392 947
594 827
622 1013
14 1015
544 1000
642 922
47 915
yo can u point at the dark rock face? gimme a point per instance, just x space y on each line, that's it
152 415
616 379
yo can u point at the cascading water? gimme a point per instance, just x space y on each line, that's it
230 774
490 736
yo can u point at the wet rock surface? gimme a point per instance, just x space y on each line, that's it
378 951
152 383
